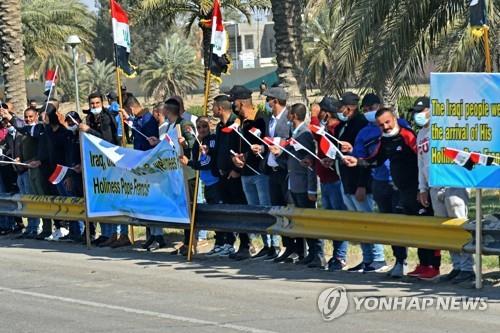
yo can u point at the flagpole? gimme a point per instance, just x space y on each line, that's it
123 143
51 87
486 40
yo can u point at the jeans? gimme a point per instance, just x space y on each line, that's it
75 227
122 229
301 200
452 202
331 198
24 184
387 198
371 252
6 222
256 189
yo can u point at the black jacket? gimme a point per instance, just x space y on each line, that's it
103 126
352 178
208 163
223 144
401 150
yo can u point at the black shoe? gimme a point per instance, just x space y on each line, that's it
42 235
307 260
242 254
66 239
284 256
18 229
4 232
262 253
464 277
318 262
271 254
161 241
359 268
148 242
24 235
450 276
99 240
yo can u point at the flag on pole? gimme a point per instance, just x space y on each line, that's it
219 42
318 130
231 128
58 174
50 80
328 148
121 38
468 160
272 141
255 132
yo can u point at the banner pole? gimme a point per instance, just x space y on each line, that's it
486 40
479 240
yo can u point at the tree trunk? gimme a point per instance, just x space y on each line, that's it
287 17
12 53
214 88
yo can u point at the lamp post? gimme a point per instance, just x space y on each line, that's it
73 41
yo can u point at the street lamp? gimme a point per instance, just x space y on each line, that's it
73 41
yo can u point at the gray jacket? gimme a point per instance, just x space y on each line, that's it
301 179
283 130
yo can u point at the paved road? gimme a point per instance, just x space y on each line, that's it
66 288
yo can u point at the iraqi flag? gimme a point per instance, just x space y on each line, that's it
255 132
468 160
58 175
218 38
328 148
231 128
318 130
50 80
121 38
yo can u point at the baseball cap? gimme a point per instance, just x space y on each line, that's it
349 98
370 99
329 104
276 92
421 103
239 92
112 95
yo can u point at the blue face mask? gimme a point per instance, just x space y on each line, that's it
420 119
341 117
268 107
12 130
370 116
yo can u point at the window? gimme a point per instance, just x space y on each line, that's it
248 42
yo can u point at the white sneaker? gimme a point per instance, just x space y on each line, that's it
57 234
227 250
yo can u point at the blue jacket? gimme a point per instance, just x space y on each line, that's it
113 109
148 126
366 144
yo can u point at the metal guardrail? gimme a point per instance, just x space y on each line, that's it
491 235
403 230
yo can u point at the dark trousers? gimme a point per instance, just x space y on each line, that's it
387 198
278 189
232 193
301 200
427 257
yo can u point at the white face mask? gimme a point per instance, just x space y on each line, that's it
370 116
420 119
341 117
12 130
268 107
73 128
393 132
96 111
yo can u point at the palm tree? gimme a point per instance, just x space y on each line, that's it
191 11
46 25
12 53
385 45
287 17
98 77
172 70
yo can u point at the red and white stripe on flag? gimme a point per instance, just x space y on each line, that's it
50 79
255 131
318 130
458 156
230 128
58 175
218 39
295 144
328 148
121 32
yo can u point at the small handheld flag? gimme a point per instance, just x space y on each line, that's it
298 146
275 142
130 124
58 174
248 166
50 81
235 128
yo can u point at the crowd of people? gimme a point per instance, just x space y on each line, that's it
268 157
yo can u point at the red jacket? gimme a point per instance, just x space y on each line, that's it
325 175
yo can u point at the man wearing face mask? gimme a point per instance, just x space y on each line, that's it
100 122
356 182
445 201
325 114
385 194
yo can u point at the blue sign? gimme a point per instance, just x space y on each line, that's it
465 130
